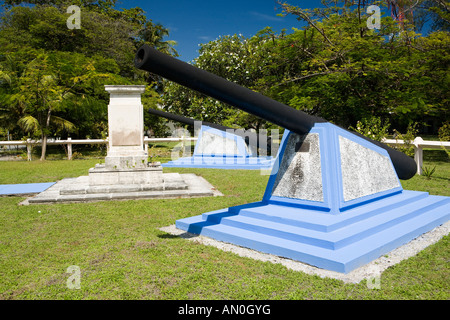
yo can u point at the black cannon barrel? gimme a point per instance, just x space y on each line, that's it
246 135
150 59
185 120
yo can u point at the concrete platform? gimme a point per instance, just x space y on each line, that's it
335 203
175 185
339 243
217 149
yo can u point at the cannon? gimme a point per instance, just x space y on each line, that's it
149 59
222 147
333 199
252 139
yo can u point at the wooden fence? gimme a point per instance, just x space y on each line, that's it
69 142
418 143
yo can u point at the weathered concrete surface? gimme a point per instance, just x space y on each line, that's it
300 175
125 128
364 171
105 175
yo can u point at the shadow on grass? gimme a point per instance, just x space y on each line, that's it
184 235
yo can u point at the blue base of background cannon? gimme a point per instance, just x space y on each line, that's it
217 149
219 162
325 208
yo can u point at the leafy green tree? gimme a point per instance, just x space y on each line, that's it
52 78
333 67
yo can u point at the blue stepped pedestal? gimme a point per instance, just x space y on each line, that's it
333 202
216 149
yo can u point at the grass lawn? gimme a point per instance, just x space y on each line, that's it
122 254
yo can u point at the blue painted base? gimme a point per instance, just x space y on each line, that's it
222 162
339 242
333 200
11 189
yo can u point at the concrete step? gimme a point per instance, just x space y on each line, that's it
364 234
219 162
333 239
85 197
342 259
170 181
326 221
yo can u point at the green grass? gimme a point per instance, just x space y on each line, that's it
43 171
122 254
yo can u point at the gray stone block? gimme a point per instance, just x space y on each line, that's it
299 175
364 171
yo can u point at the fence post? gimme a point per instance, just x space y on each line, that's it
418 154
29 149
146 145
69 148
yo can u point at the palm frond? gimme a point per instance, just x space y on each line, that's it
29 124
63 124
5 77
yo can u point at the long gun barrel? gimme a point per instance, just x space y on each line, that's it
252 142
149 59
185 120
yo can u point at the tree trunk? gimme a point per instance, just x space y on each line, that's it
44 135
44 146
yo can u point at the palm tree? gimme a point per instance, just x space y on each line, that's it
33 94
153 34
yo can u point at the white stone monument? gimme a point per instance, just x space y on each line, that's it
126 161
126 173
126 128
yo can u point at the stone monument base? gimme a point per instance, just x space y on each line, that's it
105 183
104 175
174 185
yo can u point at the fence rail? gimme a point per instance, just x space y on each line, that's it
69 142
418 143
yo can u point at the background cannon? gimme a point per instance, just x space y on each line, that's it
151 60
252 139
221 147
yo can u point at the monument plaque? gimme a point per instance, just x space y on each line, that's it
126 128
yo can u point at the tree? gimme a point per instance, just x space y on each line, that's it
333 67
235 58
105 31
52 77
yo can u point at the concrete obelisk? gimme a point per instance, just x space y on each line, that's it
126 128
126 161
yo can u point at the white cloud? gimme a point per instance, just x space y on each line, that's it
205 38
263 16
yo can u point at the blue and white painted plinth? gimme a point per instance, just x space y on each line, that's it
217 149
333 201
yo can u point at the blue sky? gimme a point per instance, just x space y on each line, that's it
192 22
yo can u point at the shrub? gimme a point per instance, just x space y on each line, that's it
408 138
372 128
444 132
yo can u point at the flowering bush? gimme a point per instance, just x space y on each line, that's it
444 132
372 128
